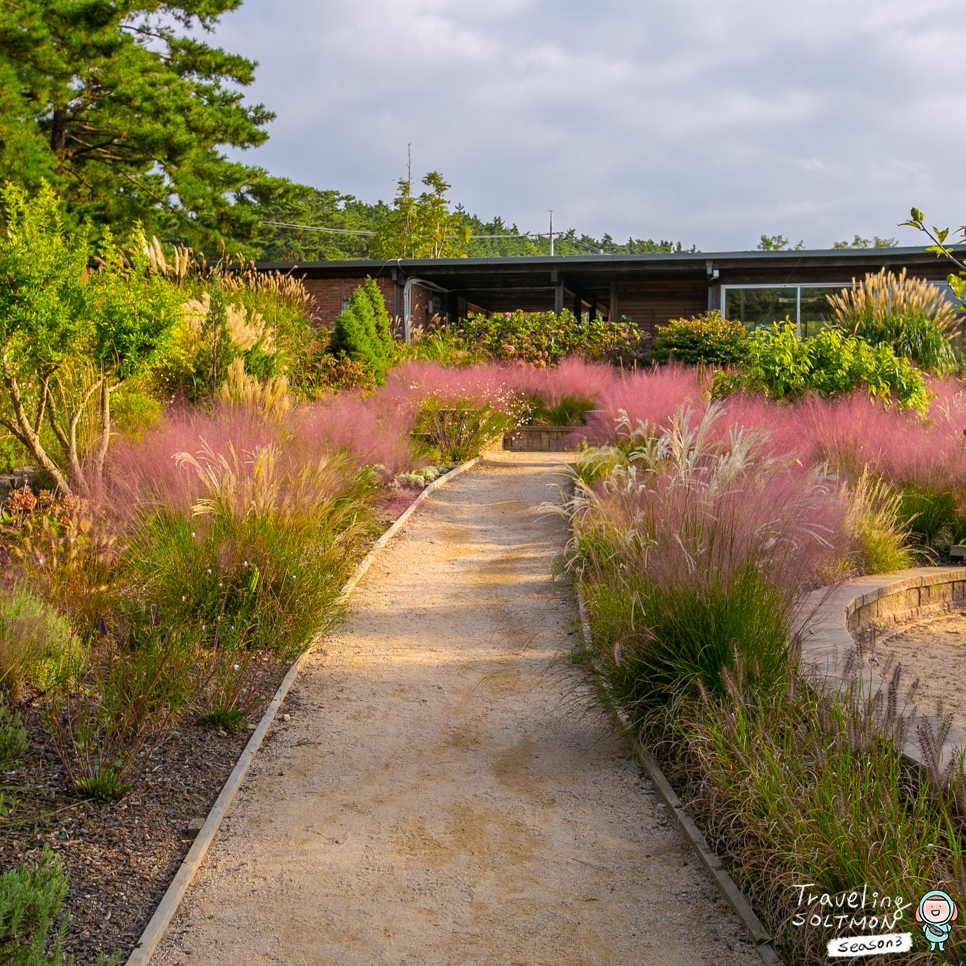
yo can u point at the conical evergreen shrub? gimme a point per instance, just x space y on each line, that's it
356 334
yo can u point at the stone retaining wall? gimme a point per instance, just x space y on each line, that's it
541 439
838 613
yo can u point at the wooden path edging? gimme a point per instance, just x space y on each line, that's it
759 935
168 906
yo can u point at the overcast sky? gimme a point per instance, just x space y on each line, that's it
705 121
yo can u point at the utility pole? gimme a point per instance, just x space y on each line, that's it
551 232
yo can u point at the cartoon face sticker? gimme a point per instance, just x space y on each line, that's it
936 912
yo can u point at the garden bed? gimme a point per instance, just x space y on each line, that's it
120 855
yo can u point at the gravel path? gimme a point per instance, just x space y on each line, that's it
441 794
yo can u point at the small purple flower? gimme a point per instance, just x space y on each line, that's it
102 624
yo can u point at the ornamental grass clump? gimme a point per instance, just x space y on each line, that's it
909 314
262 552
694 551
799 786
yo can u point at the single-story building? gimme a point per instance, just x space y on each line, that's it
756 287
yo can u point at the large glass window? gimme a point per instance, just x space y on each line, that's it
758 307
805 306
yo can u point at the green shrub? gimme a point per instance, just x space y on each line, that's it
361 331
568 411
31 898
693 551
909 314
13 735
915 337
928 512
707 339
380 316
661 641
453 431
262 557
544 338
877 527
34 641
830 363
798 786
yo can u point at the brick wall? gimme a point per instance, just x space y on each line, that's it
331 295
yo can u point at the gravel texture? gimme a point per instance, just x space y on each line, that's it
443 793
932 650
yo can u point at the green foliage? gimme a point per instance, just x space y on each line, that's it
66 551
225 718
361 332
106 720
877 527
303 205
262 559
296 214
915 337
105 784
778 243
802 786
55 319
544 338
707 339
830 363
455 430
658 641
238 314
957 281
692 553
13 736
910 314
422 226
31 898
570 411
874 242
128 116
927 512
34 641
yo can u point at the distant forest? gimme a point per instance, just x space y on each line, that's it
334 210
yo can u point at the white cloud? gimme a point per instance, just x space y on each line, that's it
689 119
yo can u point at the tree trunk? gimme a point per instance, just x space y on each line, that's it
28 436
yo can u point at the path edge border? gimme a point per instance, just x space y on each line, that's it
760 937
170 902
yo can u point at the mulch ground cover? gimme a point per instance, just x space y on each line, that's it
120 855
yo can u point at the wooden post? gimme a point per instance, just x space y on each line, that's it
613 314
558 295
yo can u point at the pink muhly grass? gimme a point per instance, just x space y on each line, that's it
651 396
716 498
574 377
374 429
413 382
145 472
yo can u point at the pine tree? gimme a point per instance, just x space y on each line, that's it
126 115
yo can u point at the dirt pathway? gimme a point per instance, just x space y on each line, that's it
440 795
